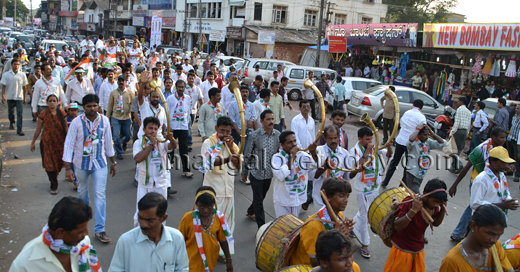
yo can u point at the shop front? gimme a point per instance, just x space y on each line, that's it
235 41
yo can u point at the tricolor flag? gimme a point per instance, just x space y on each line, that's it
102 56
110 60
84 64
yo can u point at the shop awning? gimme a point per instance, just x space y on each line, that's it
325 47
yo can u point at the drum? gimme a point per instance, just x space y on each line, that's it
381 206
296 268
277 243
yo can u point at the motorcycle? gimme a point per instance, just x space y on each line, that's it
442 124
26 68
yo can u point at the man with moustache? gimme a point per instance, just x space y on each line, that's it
106 89
291 169
78 87
45 86
64 244
262 144
118 111
338 119
179 107
328 158
151 246
210 112
303 125
82 148
249 113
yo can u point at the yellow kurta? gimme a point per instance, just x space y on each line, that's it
308 236
210 242
513 255
457 261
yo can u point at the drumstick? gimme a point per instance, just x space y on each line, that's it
446 209
428 216
329 208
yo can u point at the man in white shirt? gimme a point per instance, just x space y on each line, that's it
100 46
290 175
308 94
366 71
59 244
348 70
303 126
14 83
262 103
57 71
227 96
45 86
78 88
207 85
68 67
193 91
106 88
490 186
257 72
179 107
480 124
179 74
186 66
249 114
151 156
86 44
141 248
409 122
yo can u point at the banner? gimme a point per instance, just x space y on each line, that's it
395 34
64 4
140 10
36 22
168 21
337 44
138 21
53 18
217 35
237 3
472 36
156 32
129 30
8 21
266 37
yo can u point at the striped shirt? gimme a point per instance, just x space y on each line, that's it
75 142
462 120
515 128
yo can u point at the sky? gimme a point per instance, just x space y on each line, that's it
476 11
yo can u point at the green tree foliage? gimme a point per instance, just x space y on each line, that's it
21 10
38 13
419 11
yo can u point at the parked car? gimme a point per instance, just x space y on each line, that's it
58 45
492 109
227 63
267 66
28 32
369 101
298 74
357 84
15 34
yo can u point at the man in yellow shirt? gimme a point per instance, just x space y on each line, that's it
337 191
212 230
512 247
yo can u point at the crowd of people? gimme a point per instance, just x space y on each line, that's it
87 118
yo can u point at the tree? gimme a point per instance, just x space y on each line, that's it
38 13
419 11
21 10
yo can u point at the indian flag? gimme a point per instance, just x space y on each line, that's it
110 60
84 64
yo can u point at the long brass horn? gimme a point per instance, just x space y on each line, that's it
308 84
391 94
365 118
234 87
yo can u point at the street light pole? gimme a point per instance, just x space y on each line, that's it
320 26
14 20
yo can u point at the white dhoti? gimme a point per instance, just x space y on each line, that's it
141 191
226 205
280 210
316 196
361 229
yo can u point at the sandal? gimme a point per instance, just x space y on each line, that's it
365 253
54 192
456 240
222 259
305 206
352 235
516 179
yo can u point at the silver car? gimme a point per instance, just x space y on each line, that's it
369 101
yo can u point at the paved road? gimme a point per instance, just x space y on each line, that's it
24 211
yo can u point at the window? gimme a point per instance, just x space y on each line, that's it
360 85
214 10
204 10
273 65
365 20
368 1
193 10
426 100
404 97
280 14
309 19
258 12
296 73
262 64
340 19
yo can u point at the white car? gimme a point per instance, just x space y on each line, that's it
58 45
355 85
227 63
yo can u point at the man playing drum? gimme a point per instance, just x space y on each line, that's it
334 253
366 183
407 253
337 192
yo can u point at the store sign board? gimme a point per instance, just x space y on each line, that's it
64 4
168 21
129 30
237 3
266 37
234 33
91 27
337 44
217 35
138 21
394 34
472 36
140 10
66 13
53 18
